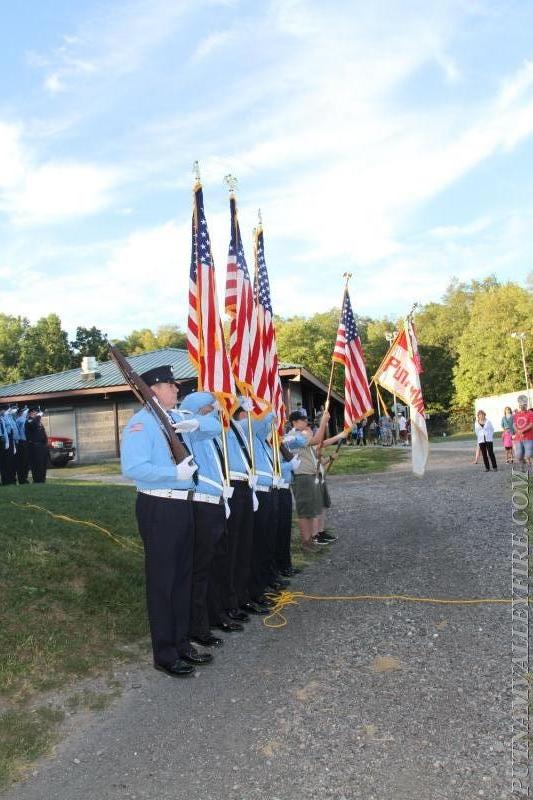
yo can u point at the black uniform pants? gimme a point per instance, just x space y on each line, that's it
3 462
240 543
264 544
283 534
167 530
38 460
8 469
210 527
487 451
22 462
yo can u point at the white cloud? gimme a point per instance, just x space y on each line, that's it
212 43
33 193
111 43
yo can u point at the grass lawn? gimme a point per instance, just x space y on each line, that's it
73 470
69 593
70 598
461 436
361 460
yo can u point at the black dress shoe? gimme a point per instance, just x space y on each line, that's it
264 601
253 608
237 616
207 641
279 584
192 656
290 572
179 669
229 627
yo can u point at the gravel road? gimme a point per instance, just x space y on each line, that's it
373 700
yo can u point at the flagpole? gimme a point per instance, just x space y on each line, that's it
347 276
197 183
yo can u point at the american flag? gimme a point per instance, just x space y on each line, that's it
205 338
240 307
266 375
348 351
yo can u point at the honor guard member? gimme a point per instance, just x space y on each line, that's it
264 522
165 517
10 442
37 445
4 446
209 507
230 575
22 446
284 529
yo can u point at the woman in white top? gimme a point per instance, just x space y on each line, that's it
485 434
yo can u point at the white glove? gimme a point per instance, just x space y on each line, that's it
247 404
186 469
227 492
252 482
186 425
296 461
276 480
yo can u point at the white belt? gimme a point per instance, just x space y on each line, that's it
238 476
262 488
201 497
283 485
169 494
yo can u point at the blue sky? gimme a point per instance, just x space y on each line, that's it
391 139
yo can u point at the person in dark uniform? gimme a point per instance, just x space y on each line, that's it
4 445
165 517
9 435
22 446
37 445
209 499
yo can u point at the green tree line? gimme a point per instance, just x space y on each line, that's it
464 341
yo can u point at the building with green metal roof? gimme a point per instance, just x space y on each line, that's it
92 404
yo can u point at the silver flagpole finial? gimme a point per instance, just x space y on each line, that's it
196 171
259 216
231 182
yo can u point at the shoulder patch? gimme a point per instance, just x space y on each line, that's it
136 427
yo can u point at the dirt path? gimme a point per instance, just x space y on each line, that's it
374 700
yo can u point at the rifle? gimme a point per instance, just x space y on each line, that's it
143 394
285 452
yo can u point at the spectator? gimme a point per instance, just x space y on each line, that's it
301 410
485 435
373 432
508 433
523 436
402 427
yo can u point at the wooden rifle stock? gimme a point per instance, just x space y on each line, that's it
285 452
145 396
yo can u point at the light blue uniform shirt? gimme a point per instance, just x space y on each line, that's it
203 448
145 456
287 469
238 464
20 422
11 426
263 451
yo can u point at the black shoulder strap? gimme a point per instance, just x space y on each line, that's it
220 457
242 443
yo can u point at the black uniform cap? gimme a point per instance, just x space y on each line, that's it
297 415
159 375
